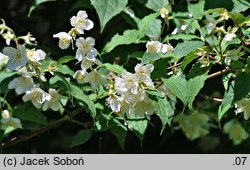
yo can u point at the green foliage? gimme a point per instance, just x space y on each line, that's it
27 112
81 137
108 9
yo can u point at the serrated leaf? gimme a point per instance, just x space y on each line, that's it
227 101
64 69
196 9
183 49
128 37
148 57
120 131
144 23
180 37
138 126
196 80
242 86
162 106
115 68
156 5
107 9
35 4
77 93
81 137
240 6
65 59
189 58
178 86
28 112
154 29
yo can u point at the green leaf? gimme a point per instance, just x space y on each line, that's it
65 59
4 75
148 57
227 101
131 36
120 131
154 29
146 21
180 37
81 137
183 49
242 86
35 4
115 68
235 131
64 69
162 106
156 5
77 93
128 37
189 58
28 112
196 80
196 9
138 126
108 9
240 6
178 86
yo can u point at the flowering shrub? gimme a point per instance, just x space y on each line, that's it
173 58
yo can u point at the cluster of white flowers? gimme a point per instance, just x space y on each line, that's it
86 53
157 47
27 63
9 121
128 95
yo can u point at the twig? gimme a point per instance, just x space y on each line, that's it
216 74
210 98
174 66
37 132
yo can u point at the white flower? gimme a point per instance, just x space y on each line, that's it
167 48
144 108
180 28
64 39
17 57
230 35
131 82
143 72
36 55
81 22
114 102
54 101
8 37
164 12
85 48
8 121
86 64
80 76
5 114
37 96
154 46
95 79
21 84
3 60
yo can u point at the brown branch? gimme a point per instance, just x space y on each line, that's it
216 74
52 124
210 98
174 66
